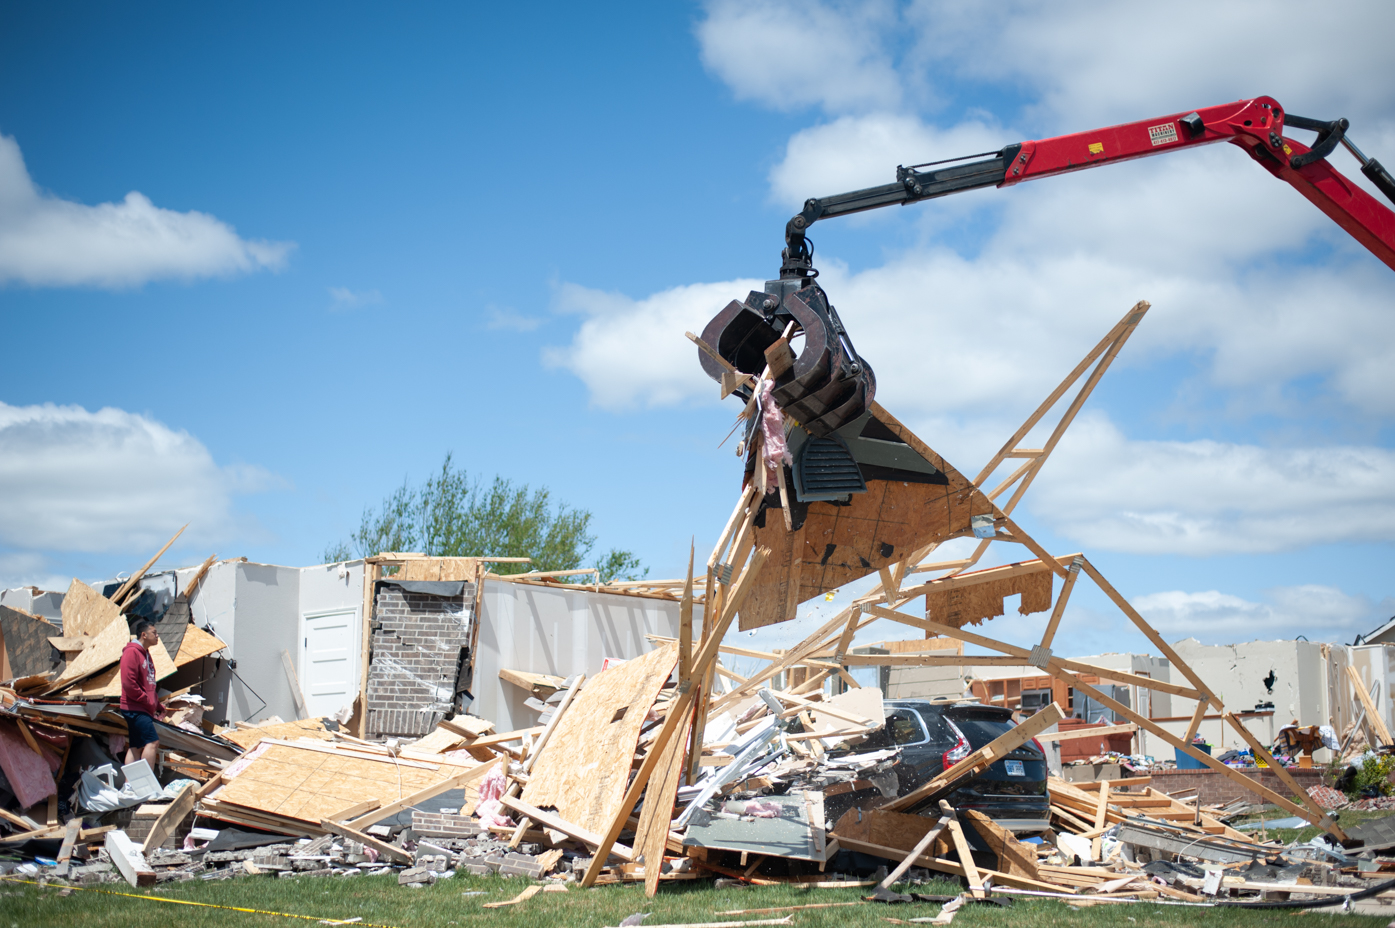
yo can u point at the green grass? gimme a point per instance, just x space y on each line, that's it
380 901
1346 819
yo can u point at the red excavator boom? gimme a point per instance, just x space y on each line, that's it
830 385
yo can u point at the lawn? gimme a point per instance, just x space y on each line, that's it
380 901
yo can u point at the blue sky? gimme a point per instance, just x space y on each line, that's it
258 266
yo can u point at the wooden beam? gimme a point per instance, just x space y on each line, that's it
170 818
1091 733
1152 635
685 622
557 823
135 578
1153 728
294 680
1101 816
1011 444
1279 769
676 715
384 849
430 792
946 866
961 847
1372 715
1049 635
1195 724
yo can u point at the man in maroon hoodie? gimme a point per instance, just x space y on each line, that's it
139 703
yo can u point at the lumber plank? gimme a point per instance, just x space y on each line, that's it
1373 716
948 866
430 792
170 818
570 829
706 657
382 847
1323 822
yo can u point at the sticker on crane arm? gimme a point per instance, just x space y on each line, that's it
1096 148
1162 135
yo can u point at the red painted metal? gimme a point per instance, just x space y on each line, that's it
1254 125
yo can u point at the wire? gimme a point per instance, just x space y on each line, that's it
205 905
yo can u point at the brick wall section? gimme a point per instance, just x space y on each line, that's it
416 644
445 825
1216 787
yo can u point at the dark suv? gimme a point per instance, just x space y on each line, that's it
933 736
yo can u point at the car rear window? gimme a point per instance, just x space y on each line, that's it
981 726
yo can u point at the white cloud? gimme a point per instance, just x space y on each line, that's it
1210 497
507 319
1096 64
110 480
633 352
344 298
1322 613
46 241
791 54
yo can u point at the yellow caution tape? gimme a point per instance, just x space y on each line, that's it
206 905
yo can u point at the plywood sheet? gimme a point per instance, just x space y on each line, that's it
85 611
585 767
840 543
248 738
969 605
899 830
309 785
197 644
26 646
865 702
107 684
104 651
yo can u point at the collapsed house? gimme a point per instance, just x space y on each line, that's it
420 715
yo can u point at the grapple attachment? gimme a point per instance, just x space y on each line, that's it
828 386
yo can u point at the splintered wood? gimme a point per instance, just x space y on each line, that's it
586 766
309 785
969 605
839 543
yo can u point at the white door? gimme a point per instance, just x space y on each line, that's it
328 662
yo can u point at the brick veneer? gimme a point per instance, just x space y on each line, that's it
417 643
1215 787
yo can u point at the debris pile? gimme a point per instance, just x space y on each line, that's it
667 765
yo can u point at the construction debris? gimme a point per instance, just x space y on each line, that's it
667 765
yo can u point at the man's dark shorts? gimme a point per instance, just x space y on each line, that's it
140 729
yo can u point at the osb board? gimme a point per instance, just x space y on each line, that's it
107 684
840 543
24 644
918 645
585 767
248 738
436 568
104 650
85 611
969 605
898 830
438 741
197 643
310 785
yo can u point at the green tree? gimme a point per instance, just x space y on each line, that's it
451 515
